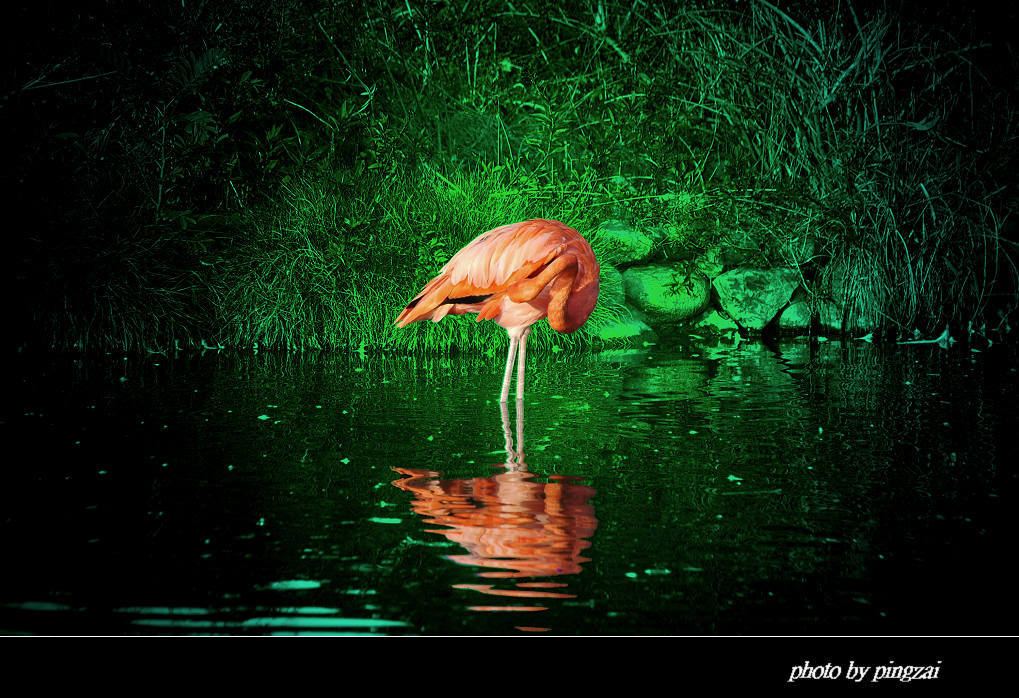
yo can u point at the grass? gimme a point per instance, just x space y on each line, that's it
313 277
294 188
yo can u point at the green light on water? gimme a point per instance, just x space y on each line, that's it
323 623
164 610
295 584
38 606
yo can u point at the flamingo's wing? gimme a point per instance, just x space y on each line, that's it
477 278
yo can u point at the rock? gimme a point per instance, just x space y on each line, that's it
666 294
753 297
716 323
613 321
640 318
621 243
629 324
796 316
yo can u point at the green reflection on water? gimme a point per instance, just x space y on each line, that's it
749 489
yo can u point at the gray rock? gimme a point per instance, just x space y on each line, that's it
753 297
613 321
619 327
796 316
621 243
716 323
667 294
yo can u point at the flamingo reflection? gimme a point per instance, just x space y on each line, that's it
512 526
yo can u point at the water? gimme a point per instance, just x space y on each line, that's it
792 489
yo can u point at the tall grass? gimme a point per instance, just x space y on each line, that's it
296 187
881 137
861 125
328 270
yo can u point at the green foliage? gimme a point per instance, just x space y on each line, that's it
314 274
290 173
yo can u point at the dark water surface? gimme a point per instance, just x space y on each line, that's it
795 489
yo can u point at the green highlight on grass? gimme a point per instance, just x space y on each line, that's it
295 176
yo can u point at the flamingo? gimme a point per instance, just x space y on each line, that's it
516 275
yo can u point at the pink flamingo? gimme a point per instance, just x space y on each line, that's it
516 275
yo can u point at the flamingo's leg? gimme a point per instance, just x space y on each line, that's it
514 340
520 433
521 356
514 455
511 455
